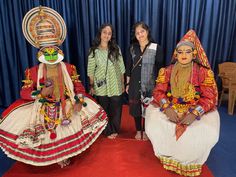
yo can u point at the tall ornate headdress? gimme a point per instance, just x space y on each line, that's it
43 26
191 36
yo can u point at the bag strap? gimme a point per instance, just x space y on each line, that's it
135 65
106 68
140 58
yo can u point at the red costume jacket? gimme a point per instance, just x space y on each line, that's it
30 85
202 80
31 76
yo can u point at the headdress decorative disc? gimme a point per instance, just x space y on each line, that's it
43 26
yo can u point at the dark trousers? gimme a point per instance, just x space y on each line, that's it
113 107
139 123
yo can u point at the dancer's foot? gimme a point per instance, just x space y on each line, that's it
115 134
67 162
112 136
61 164
138 135
64 163
145 137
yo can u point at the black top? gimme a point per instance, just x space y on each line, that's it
135 76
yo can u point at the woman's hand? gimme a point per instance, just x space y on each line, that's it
91 91
123 88
171 114
188 119
127 84
127 89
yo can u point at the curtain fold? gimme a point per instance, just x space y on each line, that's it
213 20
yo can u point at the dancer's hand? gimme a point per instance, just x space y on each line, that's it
188 119
47 91
77 107
171 114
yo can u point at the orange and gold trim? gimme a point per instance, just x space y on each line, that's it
74 76
177 167
161 76
209 80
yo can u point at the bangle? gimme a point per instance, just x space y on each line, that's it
196 113
39 96
164 106
80 100
200 110
163 101
36 94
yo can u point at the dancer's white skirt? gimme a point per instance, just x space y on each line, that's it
193 146
70 140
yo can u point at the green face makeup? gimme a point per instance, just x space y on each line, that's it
51 55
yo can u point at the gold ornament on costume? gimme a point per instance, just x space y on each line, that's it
190 94
181 87
28 81
40 53
175 54
194 53
161 76
209 80
180 80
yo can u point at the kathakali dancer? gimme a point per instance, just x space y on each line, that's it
182 122
54 119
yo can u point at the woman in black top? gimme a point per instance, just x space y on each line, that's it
145 60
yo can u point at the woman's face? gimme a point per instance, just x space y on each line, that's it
106 34
184 54
141 34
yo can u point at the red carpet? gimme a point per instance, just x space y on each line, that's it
122 157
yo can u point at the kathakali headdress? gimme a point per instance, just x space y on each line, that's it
191 39
44 28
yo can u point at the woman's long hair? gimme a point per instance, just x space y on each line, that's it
144 26
113 49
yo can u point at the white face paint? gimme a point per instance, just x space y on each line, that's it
43 60
50 55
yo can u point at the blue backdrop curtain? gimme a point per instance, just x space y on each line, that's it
213 20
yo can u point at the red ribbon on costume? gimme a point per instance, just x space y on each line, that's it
179 130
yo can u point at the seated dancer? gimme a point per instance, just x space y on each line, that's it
54 119
182 122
